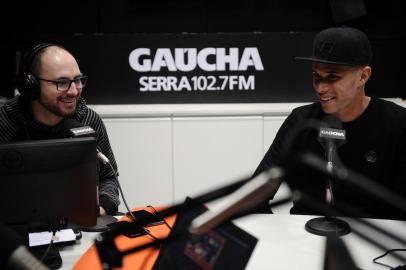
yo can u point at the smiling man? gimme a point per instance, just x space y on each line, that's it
375 129
51 83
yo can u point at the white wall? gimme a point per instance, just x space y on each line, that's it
143 151
209 151
167 152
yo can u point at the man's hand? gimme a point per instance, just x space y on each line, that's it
102 211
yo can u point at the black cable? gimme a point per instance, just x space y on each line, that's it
386 253
121 191
125 201
157 214
49 246
149 233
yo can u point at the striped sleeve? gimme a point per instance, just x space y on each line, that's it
108 186
7 126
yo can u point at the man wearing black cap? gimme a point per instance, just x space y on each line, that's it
375 129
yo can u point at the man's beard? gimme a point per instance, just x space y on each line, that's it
55 109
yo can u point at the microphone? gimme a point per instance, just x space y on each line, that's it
73 128
245 198
331 136
14 254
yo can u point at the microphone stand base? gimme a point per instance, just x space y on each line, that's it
326 226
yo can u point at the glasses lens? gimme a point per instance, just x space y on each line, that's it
63 84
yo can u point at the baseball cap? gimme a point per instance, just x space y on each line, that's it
342 46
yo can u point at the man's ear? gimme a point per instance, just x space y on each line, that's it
365 74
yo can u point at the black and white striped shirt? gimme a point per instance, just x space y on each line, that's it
17 124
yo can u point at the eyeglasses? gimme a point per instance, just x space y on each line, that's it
64 84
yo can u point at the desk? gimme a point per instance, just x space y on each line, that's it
71 254
284 244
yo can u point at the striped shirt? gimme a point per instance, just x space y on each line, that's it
17 124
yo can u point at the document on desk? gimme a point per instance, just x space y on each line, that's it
44 238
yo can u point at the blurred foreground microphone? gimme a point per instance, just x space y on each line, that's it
331 136
244 199
75 129
14 255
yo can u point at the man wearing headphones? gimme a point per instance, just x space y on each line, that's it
50 85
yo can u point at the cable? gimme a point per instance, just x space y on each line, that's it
386 253
156 213
125 201
149 233
49 246
121 191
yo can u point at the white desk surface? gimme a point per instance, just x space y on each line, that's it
70 254
284 244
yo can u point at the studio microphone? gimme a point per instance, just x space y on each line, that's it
243 199
73 128
14 255
331 136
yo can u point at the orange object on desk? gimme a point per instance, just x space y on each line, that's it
141 260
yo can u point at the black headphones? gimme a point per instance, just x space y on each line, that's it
26 83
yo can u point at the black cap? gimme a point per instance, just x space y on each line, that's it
342 46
